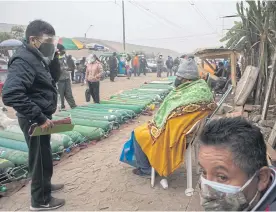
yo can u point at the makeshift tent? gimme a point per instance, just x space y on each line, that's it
70 44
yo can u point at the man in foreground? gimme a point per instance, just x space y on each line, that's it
161 143
235 176
31 91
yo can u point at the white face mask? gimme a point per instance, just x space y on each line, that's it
220 187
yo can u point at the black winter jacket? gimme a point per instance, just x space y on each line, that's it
29 87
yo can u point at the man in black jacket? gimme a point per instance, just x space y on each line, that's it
31 91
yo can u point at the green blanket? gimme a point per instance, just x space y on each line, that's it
196 92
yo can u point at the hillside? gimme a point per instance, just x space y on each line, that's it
118 47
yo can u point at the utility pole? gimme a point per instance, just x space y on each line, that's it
228 16
87 30
124 31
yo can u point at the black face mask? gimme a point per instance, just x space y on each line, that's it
48 50
177 82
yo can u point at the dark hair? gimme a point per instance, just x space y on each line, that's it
183 56
95 56
245 141
60 47
38 28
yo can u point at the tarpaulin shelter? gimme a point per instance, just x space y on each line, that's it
71 44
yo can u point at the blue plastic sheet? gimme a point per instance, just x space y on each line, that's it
128 155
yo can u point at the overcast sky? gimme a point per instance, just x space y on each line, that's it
174 24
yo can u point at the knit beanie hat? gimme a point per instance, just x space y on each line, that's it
188 70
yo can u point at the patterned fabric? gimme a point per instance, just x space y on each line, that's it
188 97
166 153
180 111
213 200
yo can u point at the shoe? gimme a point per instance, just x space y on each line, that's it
139 172
52 205
56 187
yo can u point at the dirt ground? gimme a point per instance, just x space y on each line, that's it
95 179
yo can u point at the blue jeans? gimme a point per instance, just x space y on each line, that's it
141 159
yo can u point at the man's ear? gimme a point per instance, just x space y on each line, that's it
264 178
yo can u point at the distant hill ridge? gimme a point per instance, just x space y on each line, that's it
118 47
112 45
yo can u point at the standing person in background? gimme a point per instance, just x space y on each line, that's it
225 63
71 67
176 63
135 65
128 66
55 67
122 65
64 83
78 73
169 64
93 75
31 91
160 65
220 70
82 68
113 65
143 65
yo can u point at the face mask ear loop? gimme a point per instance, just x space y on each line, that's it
248 182
39 42
251 202
253 199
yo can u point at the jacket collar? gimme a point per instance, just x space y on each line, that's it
36 52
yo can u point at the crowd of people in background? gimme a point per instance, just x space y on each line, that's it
133 65
91 70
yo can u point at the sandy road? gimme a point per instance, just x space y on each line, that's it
96 180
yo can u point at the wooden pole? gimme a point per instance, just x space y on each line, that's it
124 31
233 70
269 88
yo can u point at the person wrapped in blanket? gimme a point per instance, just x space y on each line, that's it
161 143
236 175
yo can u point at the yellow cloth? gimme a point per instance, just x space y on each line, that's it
166 153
